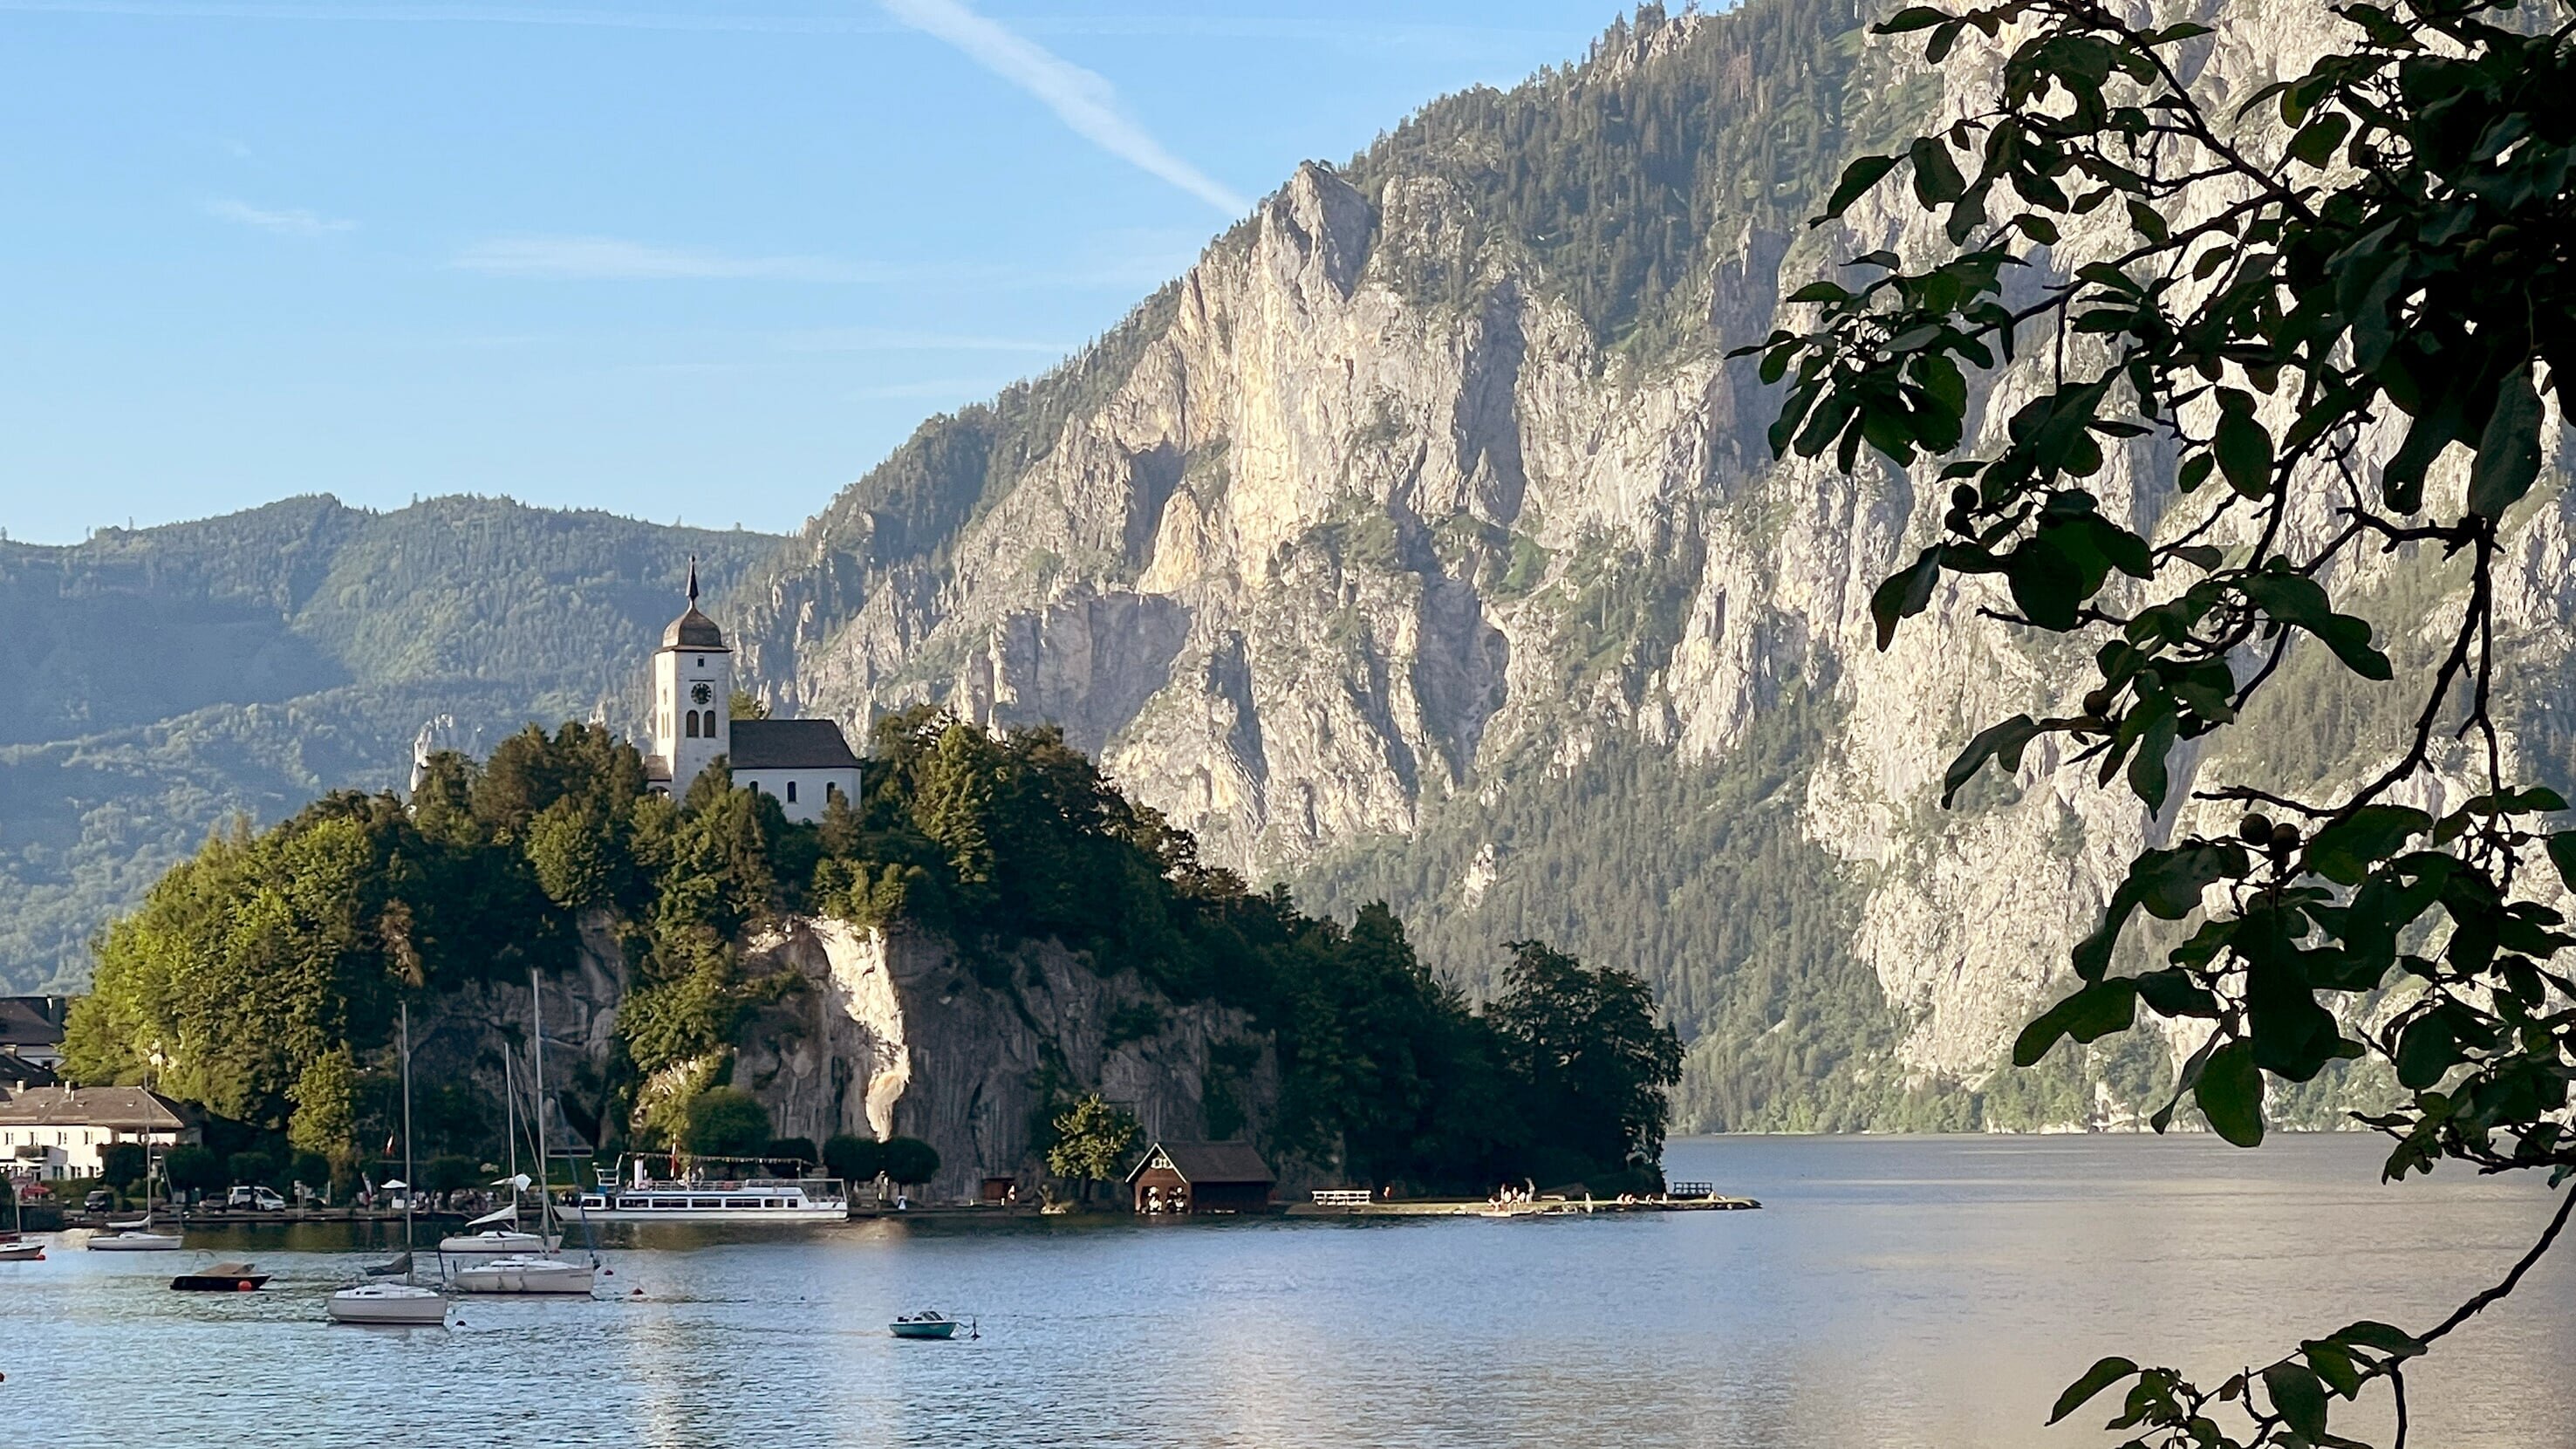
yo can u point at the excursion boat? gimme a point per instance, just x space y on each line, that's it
636 1197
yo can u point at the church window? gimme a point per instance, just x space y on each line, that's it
791 792
693 724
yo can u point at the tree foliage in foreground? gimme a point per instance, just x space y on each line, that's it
2302 324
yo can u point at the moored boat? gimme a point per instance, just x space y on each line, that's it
929 1324
635 1196
220 1278
523 1274
388 1303
134 1240
493 1242
24 1251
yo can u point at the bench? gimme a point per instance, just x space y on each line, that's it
1342 1197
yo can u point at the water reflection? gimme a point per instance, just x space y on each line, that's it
1897 1292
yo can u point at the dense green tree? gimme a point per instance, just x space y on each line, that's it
853 1160
121 1165
1594 1062
789 1156
2294 324
909 1160
449 1172
251 1169
726 1122
1093 1141
199 1169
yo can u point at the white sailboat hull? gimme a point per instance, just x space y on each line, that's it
496 1243
396 1303
524 1275
134 1242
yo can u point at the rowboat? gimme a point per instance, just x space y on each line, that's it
930 1324
220 1278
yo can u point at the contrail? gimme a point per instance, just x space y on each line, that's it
1082 99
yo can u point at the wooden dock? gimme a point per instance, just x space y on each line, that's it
1546 1207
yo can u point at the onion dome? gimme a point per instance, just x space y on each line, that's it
693 630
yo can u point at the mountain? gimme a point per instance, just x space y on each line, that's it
1420 542
168 679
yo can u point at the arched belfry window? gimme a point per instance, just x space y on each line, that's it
693 724
791 792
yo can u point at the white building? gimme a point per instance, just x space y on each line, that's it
800 761
57 1132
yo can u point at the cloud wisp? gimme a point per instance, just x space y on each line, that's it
611 259
1084 100
282 221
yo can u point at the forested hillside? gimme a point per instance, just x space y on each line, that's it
169 678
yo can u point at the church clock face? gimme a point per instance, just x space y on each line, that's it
702 692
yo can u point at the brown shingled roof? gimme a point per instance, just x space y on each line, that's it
127 1109
1203 1164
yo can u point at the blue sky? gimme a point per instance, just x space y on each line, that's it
681 261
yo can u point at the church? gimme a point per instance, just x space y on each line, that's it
801 762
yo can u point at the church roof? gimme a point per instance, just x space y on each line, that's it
790 744
693 630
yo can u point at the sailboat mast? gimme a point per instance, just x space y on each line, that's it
510 1120
411 1184
537 1066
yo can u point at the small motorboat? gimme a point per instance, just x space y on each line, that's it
522 1274
220 1278
133 1240
389 1303
22 1252
928 1324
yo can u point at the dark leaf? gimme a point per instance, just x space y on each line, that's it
2002 741
2230 1094
1858 178
1905 594
2345 850
2509 449
2299 1397
2093 1012
2097 1378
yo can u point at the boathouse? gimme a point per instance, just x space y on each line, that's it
1201 1177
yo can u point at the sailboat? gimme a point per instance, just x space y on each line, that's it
497 1232
538 1270
406 1302
137 1236
14 1246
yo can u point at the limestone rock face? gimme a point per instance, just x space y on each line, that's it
888 1034
1314 553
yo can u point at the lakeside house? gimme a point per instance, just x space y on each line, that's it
31 1028
1202 1177
53 1133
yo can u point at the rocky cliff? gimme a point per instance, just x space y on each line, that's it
887 1033
1419 542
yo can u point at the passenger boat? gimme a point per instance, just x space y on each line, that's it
220 1278
930 1324
523 1274
388 1303
643 1198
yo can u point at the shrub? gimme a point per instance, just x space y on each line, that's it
251 1169
786 1155
854 1159
122 1164
194 1167
725 1122
910 1160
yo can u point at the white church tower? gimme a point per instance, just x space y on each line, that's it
692 694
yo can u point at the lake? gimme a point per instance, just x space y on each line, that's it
1894 1291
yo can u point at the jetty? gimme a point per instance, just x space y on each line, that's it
1359 1202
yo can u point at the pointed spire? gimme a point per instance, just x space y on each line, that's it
693 581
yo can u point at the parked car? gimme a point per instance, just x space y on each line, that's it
259 1199
100 1201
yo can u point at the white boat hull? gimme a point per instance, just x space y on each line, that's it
495 1243
393 1303
807 1213
524 1275
134 1243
